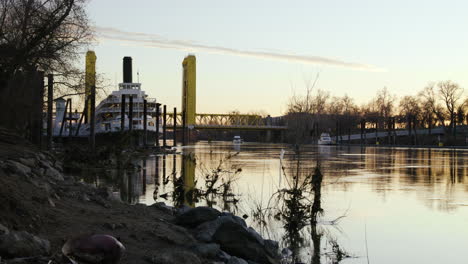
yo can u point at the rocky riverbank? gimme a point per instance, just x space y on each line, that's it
42 208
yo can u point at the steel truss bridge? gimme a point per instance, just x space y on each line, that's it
228 122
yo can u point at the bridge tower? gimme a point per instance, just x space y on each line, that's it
189 84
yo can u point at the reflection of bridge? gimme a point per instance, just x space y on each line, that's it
229 122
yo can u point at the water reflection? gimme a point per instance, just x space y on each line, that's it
382 185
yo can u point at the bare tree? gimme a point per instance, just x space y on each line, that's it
45 35
451 94
430 103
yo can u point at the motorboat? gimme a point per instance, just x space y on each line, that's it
325 139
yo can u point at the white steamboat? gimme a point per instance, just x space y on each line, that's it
108 112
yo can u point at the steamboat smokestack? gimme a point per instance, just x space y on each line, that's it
127 69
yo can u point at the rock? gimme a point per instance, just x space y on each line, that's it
256 235
286 256
238 241
235 260
94 249
18 168
29 260
236 219
196 216
52 173
183 209
51 202
173 256
223 256
22 244
30 162
209 250
272 247
163 207
3 230
205 231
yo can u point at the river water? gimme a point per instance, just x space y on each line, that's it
380 205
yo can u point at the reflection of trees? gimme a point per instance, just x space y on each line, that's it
297 206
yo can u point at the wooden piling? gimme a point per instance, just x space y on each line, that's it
92 125
164 125
145 132
81 117
175 127
122 114
130 113
64 118
50 100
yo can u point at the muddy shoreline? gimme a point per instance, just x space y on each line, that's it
38 198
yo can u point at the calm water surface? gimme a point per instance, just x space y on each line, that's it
410 204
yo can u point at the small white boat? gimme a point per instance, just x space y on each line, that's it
325 139
237 140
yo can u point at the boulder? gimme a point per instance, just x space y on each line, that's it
163 207
52 173
235 260
22 244
3 230
256 235
30 162
238 241
18 168
209 250
223 256
204 232
196 216
236 218
272 247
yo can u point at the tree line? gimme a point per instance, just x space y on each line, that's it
439 104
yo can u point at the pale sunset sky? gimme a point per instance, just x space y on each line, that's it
253 55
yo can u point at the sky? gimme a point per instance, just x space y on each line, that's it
253 55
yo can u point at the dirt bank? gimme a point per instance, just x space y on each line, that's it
36 197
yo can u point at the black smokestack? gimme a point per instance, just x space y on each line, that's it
127 69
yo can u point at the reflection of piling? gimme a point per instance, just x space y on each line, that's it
164 125
156 169
145 132
165 181
92 138
144 176
174 130
50 99
130 113
184 129
174 168
122 113
158 115
156 178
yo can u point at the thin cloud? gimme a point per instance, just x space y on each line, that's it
153 40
